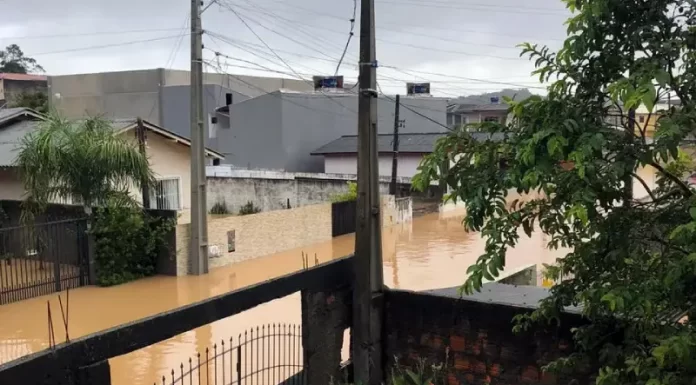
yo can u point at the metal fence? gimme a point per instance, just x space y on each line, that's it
343 217
40 259
270 354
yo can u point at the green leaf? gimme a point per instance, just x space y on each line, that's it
692 212
662 77
650 96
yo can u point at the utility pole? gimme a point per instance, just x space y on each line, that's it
140 133
395 148
628 180
199 220
368 293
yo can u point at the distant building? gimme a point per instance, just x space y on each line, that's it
169 154
489 107
341 155
12 85
281 129
146 93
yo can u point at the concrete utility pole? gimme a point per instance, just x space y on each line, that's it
395 148
140 133
368 298
199 220
628 181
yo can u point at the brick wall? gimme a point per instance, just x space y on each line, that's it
474 340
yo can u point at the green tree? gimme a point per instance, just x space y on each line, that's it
12 60
632 264
36 100
81 160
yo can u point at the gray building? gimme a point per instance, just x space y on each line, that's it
281 129
489 107
145 93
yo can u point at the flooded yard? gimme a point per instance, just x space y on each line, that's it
431 252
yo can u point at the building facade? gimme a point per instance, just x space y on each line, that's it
280 130
14 85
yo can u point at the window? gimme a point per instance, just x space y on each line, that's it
166 194
641 119
493 119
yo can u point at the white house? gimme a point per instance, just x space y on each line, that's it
341 155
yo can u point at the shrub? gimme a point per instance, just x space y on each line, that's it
350 195
127 242
220 208
249 208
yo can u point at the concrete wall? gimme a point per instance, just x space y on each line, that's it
348 164
114 94
270 190
10 185
254 138
288 229
176 111
312 120
138 93
281 129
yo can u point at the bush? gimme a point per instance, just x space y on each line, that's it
249 208
220 208
127 242
350 195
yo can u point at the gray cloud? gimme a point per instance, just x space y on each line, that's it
466 39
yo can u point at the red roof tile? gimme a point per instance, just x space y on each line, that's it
23 77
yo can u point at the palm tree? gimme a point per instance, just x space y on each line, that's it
81 160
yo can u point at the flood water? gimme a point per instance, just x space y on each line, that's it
431 252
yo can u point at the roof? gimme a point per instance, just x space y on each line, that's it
420 143
23 77
10 113
463 108
11 135
512 295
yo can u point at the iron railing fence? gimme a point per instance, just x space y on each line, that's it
270 354
39 259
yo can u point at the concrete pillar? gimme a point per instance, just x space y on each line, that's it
325 317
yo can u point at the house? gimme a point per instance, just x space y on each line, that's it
280 129
12 85
488 107
169 155
341 155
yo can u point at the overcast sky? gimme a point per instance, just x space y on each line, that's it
456 38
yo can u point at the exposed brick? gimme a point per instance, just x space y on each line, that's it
479 367
548 378
494 370
530 375
452 380
436 342
462 363
457 344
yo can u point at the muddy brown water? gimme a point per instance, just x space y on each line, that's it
432 252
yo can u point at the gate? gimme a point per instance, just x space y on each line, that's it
43 258
343 217
269 355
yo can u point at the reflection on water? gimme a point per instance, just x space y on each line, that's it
431 252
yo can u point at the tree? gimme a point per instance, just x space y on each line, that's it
12 60
80 160
36 100
632 264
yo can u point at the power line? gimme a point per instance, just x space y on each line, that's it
350 36
88 34
279 57
477 7
104 46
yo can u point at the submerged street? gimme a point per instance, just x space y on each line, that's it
431 252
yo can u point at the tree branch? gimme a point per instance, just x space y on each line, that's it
673 178
645 185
